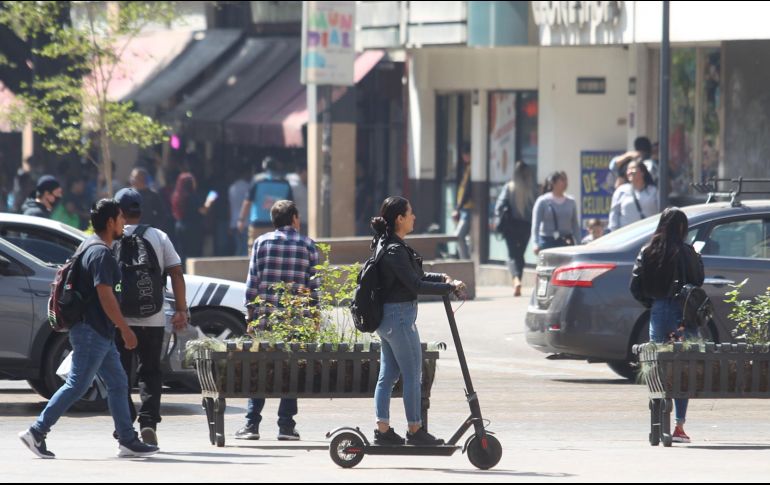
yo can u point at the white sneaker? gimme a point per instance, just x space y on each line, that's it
136 449
36 444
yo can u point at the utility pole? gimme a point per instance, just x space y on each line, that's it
663 118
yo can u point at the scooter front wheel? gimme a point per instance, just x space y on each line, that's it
347 450
484 453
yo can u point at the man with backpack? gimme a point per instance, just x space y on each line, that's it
281 256
267 189
146 255
96 276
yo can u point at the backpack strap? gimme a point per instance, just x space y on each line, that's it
141 229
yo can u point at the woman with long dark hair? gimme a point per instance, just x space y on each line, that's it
517 199
554 217
402 279
662 268
188 210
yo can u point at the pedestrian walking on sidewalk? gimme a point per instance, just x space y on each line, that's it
402 278
515 203
662 268
93 340
146 256
554 217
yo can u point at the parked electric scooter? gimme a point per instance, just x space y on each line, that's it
349 445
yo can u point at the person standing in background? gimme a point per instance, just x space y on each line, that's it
554 217
462 213
236 195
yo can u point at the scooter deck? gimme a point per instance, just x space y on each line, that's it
411 450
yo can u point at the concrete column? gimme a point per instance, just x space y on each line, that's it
343 163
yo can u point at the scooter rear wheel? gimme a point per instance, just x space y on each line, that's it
347 450
484 453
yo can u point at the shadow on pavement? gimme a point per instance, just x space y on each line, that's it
736 447
619 381
479 473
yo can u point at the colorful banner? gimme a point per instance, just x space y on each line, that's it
597 184
328 43
502 136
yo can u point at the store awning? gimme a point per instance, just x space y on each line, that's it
202 51
276 115
141 58
250 69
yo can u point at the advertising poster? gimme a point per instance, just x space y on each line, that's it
502 136
328 43
597 184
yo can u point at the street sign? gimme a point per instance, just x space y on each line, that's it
328 43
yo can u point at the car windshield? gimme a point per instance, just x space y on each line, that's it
625 235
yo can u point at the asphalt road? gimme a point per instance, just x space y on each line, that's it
557 421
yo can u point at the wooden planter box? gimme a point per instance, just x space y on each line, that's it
723 371
293 371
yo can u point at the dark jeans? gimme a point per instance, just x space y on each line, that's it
517 239
148 372
286 412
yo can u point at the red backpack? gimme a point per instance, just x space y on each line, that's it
67 304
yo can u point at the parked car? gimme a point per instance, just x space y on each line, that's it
31 249
582 308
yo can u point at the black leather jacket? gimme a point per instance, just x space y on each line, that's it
648 284
402 277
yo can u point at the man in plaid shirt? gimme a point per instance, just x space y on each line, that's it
281 256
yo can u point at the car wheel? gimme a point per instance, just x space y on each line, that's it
629 369
58 350
213 323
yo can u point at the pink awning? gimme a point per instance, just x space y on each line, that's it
276 115
140 58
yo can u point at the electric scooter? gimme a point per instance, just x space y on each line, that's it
349 445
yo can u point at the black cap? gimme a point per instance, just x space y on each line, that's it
47 183
130 201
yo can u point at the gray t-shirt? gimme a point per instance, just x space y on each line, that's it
167 258
564 216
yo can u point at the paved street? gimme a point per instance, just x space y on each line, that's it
557 421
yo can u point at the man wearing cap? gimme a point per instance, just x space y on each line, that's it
150 330
47 192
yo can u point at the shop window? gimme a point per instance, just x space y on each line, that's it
512 136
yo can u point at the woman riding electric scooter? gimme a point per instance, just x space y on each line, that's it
402 277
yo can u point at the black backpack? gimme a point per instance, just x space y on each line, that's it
67 303
143 286
366 307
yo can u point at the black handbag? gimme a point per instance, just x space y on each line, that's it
504 223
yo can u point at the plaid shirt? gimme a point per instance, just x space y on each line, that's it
281 256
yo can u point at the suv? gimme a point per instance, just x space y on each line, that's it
582 307
31 249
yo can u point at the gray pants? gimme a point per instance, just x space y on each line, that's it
463 229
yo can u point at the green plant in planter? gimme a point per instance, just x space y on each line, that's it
301 317
752 316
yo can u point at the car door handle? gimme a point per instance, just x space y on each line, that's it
36 292
718 281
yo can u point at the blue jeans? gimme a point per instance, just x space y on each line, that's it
665 318
401 354
286 412
92 354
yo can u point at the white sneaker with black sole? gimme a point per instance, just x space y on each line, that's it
136 449
36 443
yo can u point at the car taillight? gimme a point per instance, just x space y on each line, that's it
579 275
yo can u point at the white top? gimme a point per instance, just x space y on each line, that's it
237 194
299 192
167 258
624 211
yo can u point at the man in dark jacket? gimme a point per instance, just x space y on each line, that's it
47 192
